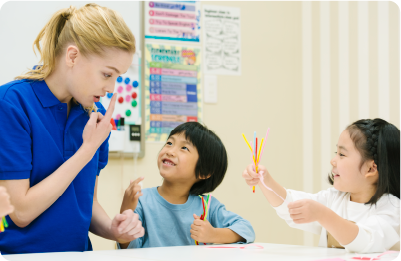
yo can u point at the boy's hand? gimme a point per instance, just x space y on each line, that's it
251 177
131 195
202 230
306 211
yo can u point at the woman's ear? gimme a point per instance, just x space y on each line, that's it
372 169
71 55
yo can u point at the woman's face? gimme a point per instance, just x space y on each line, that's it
90 77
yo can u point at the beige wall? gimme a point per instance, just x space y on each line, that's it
269 93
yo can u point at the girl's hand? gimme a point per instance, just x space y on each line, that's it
306 210
202 230
127 227
98 127
5 204
251 177
131 195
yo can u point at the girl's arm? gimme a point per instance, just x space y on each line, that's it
124 228
252 179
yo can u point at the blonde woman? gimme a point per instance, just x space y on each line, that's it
54 135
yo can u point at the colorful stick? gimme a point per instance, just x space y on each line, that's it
261 144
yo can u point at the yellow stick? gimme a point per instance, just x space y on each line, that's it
243 135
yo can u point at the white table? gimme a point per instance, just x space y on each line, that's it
271 252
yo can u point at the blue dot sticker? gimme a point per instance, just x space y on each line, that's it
135 84
109 95
127 80
119 79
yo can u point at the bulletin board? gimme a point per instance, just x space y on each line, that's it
172 88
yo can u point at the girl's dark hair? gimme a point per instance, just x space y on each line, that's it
212 162
379 140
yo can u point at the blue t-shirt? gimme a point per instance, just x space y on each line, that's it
36 138
169 224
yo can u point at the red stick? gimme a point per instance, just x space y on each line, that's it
203 205
256 151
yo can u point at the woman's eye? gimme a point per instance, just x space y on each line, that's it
107 75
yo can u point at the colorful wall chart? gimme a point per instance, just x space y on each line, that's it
172 88
128 89
221 40
172 20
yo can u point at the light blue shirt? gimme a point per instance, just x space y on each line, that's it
169 224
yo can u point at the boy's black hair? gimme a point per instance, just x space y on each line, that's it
378 140
212 162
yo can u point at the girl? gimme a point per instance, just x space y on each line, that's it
54 136
192 162
361 212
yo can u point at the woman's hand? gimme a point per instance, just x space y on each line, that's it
5 204
98 127
251 177
127 227
306 210
202 230
131 195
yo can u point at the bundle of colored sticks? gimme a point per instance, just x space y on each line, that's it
3 224
255 155
205 205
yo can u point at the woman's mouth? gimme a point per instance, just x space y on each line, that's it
96 98
335 175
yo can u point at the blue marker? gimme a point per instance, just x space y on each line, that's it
127 80
135 84
119 79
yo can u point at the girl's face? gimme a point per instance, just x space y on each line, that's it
177 160
91 77
348 175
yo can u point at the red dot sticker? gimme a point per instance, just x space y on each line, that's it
121 100
134 95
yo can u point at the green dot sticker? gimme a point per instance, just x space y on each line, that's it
134 103
128 113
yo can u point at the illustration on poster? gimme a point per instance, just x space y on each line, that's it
222 40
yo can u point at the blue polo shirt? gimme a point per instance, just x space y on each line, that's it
36 138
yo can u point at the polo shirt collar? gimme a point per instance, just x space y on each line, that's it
45 96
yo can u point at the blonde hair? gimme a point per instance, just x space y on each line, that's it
91 28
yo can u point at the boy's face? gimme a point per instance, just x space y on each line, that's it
177 160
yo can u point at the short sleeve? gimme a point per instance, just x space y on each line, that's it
104 148
16 143
222 218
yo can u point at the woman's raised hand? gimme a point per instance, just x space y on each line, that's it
98 127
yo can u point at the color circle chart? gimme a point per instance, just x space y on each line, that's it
172 89
128 91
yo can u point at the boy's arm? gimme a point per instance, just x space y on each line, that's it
131 195
130 200
224 227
